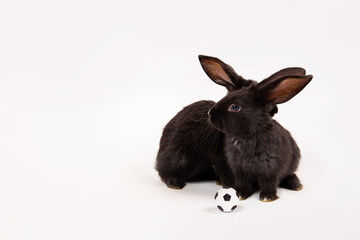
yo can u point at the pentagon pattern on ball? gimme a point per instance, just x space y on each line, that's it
227 197
232 209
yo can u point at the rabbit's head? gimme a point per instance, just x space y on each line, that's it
246 110
224 75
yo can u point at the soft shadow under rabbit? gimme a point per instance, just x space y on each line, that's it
240 141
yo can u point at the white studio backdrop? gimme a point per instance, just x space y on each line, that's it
87 86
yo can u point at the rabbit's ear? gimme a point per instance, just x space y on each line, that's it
283 89
221 73
292 71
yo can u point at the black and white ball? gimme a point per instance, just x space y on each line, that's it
226 199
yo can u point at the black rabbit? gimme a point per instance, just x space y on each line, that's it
190 147
259 151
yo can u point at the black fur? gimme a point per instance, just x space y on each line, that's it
191 148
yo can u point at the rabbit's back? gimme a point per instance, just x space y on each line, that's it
187 145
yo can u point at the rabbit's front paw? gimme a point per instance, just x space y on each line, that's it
244 194
266 197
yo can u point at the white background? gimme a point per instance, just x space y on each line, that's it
87 86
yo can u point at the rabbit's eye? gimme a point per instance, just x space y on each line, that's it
234 108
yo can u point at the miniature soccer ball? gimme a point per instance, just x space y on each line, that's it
226 199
